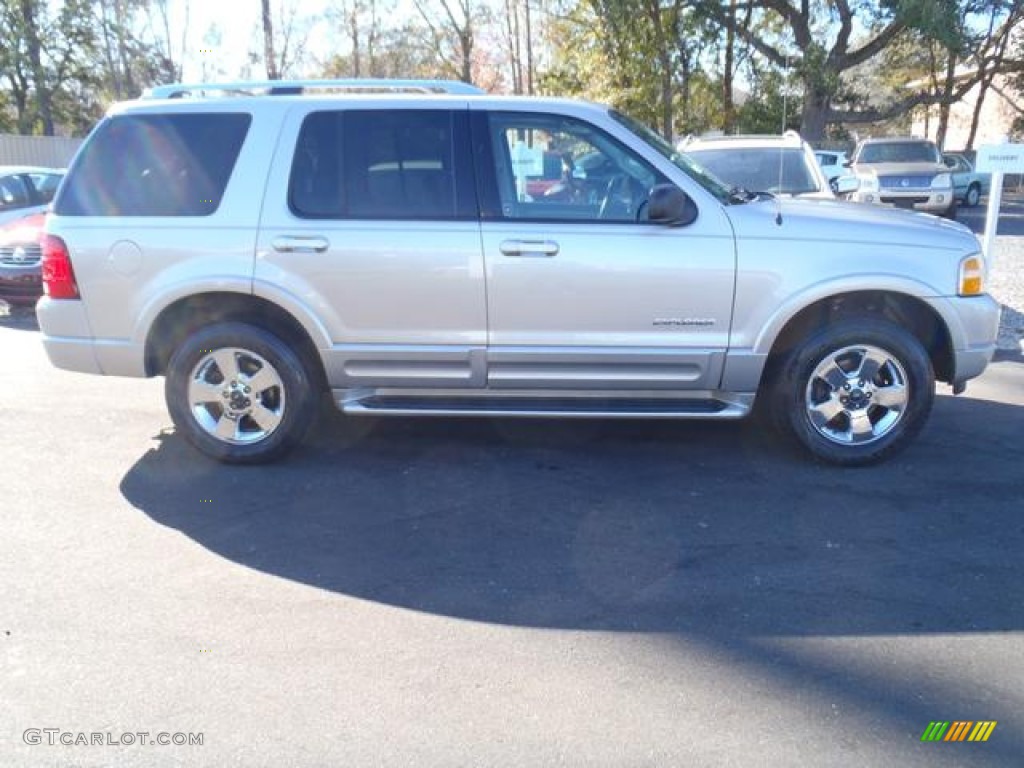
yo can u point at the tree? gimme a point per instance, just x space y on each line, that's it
283 33
451 26
269 54
46 50
159 20
360 21
817 40
519 26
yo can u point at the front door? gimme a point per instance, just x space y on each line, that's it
582 291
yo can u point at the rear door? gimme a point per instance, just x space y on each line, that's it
370 227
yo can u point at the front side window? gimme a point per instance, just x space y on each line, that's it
375 164
155 165
45 185
550 167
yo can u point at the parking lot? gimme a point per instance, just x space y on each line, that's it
486 592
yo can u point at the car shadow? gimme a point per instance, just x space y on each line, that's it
650 526
714 535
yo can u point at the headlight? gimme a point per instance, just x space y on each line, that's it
868 182
971 280
943 180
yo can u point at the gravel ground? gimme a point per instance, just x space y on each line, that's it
1006 284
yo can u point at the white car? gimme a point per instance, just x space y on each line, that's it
26 189
832 162
774 164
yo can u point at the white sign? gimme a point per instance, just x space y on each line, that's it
527 161
1000 158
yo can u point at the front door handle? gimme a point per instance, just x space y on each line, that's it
296 244
529 248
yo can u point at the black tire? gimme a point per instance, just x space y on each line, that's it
973 196
801 392
268 401
950 213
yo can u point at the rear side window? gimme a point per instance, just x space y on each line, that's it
154 165
380 164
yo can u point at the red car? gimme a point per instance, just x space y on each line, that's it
20 256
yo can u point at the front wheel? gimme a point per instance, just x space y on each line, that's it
239 394
973 196
855 393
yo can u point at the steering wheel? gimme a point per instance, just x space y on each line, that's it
613 191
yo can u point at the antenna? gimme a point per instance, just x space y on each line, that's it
782 131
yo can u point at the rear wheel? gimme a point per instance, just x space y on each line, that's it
856 392
239 394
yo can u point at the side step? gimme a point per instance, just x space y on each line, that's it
544 407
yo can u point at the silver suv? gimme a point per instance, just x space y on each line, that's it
396 250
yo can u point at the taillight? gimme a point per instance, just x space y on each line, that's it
58 276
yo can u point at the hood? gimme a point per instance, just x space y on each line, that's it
831 221
901 169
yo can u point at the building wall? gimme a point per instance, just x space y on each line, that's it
997 115
47 151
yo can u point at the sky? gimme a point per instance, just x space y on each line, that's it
238 22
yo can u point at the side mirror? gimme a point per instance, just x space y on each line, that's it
669 206
950 162
844 185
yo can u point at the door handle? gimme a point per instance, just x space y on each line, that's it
296 244
529 248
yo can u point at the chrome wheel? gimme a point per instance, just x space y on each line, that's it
236 395
856 395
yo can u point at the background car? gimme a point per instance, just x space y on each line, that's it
832 162
905 173
777 164
26 189
20 256
968 184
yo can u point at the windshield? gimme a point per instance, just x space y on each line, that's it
666 150
899 152
759 169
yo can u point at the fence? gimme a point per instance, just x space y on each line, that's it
47 151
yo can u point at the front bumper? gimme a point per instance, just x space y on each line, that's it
975 344
927 200
20 285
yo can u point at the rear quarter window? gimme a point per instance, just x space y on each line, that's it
154 165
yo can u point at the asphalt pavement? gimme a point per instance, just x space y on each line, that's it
499 592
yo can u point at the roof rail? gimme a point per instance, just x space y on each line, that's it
293 87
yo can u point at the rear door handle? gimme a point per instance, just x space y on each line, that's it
296 244
529 248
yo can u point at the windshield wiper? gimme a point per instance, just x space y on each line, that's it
742 195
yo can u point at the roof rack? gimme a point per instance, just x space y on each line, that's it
298 87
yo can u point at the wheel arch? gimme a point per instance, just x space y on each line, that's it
909 312
186 315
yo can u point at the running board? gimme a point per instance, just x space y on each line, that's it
544 407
